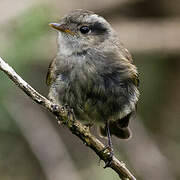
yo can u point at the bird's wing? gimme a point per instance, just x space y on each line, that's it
50 73
128 57
135 79
127 54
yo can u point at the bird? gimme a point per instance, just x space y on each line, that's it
94 74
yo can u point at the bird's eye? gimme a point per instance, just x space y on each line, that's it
85 29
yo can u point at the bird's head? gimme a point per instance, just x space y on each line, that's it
82 29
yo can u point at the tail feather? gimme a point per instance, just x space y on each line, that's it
123 133
118 128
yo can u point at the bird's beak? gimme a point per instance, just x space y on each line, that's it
61 27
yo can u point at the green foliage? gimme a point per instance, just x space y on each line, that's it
25 33
23 36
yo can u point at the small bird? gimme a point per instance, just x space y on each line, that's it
94 74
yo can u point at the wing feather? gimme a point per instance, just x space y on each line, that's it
50 73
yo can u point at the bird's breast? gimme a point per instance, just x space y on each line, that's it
95 88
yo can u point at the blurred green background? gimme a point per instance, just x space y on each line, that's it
32 146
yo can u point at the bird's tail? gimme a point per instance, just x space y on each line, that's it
119 128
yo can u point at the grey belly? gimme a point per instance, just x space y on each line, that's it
92 105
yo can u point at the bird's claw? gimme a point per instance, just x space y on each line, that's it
55 109
70 112
110 158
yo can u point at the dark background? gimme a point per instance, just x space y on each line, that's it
32 146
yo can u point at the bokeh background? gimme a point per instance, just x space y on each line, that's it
33 147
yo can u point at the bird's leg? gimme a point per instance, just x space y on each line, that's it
109 146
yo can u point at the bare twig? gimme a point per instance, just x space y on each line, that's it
75 126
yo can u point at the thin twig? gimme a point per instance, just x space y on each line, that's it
75 126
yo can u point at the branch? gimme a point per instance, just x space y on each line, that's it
74 126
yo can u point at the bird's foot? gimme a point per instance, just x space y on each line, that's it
55 109
110 158
70 113
89 125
